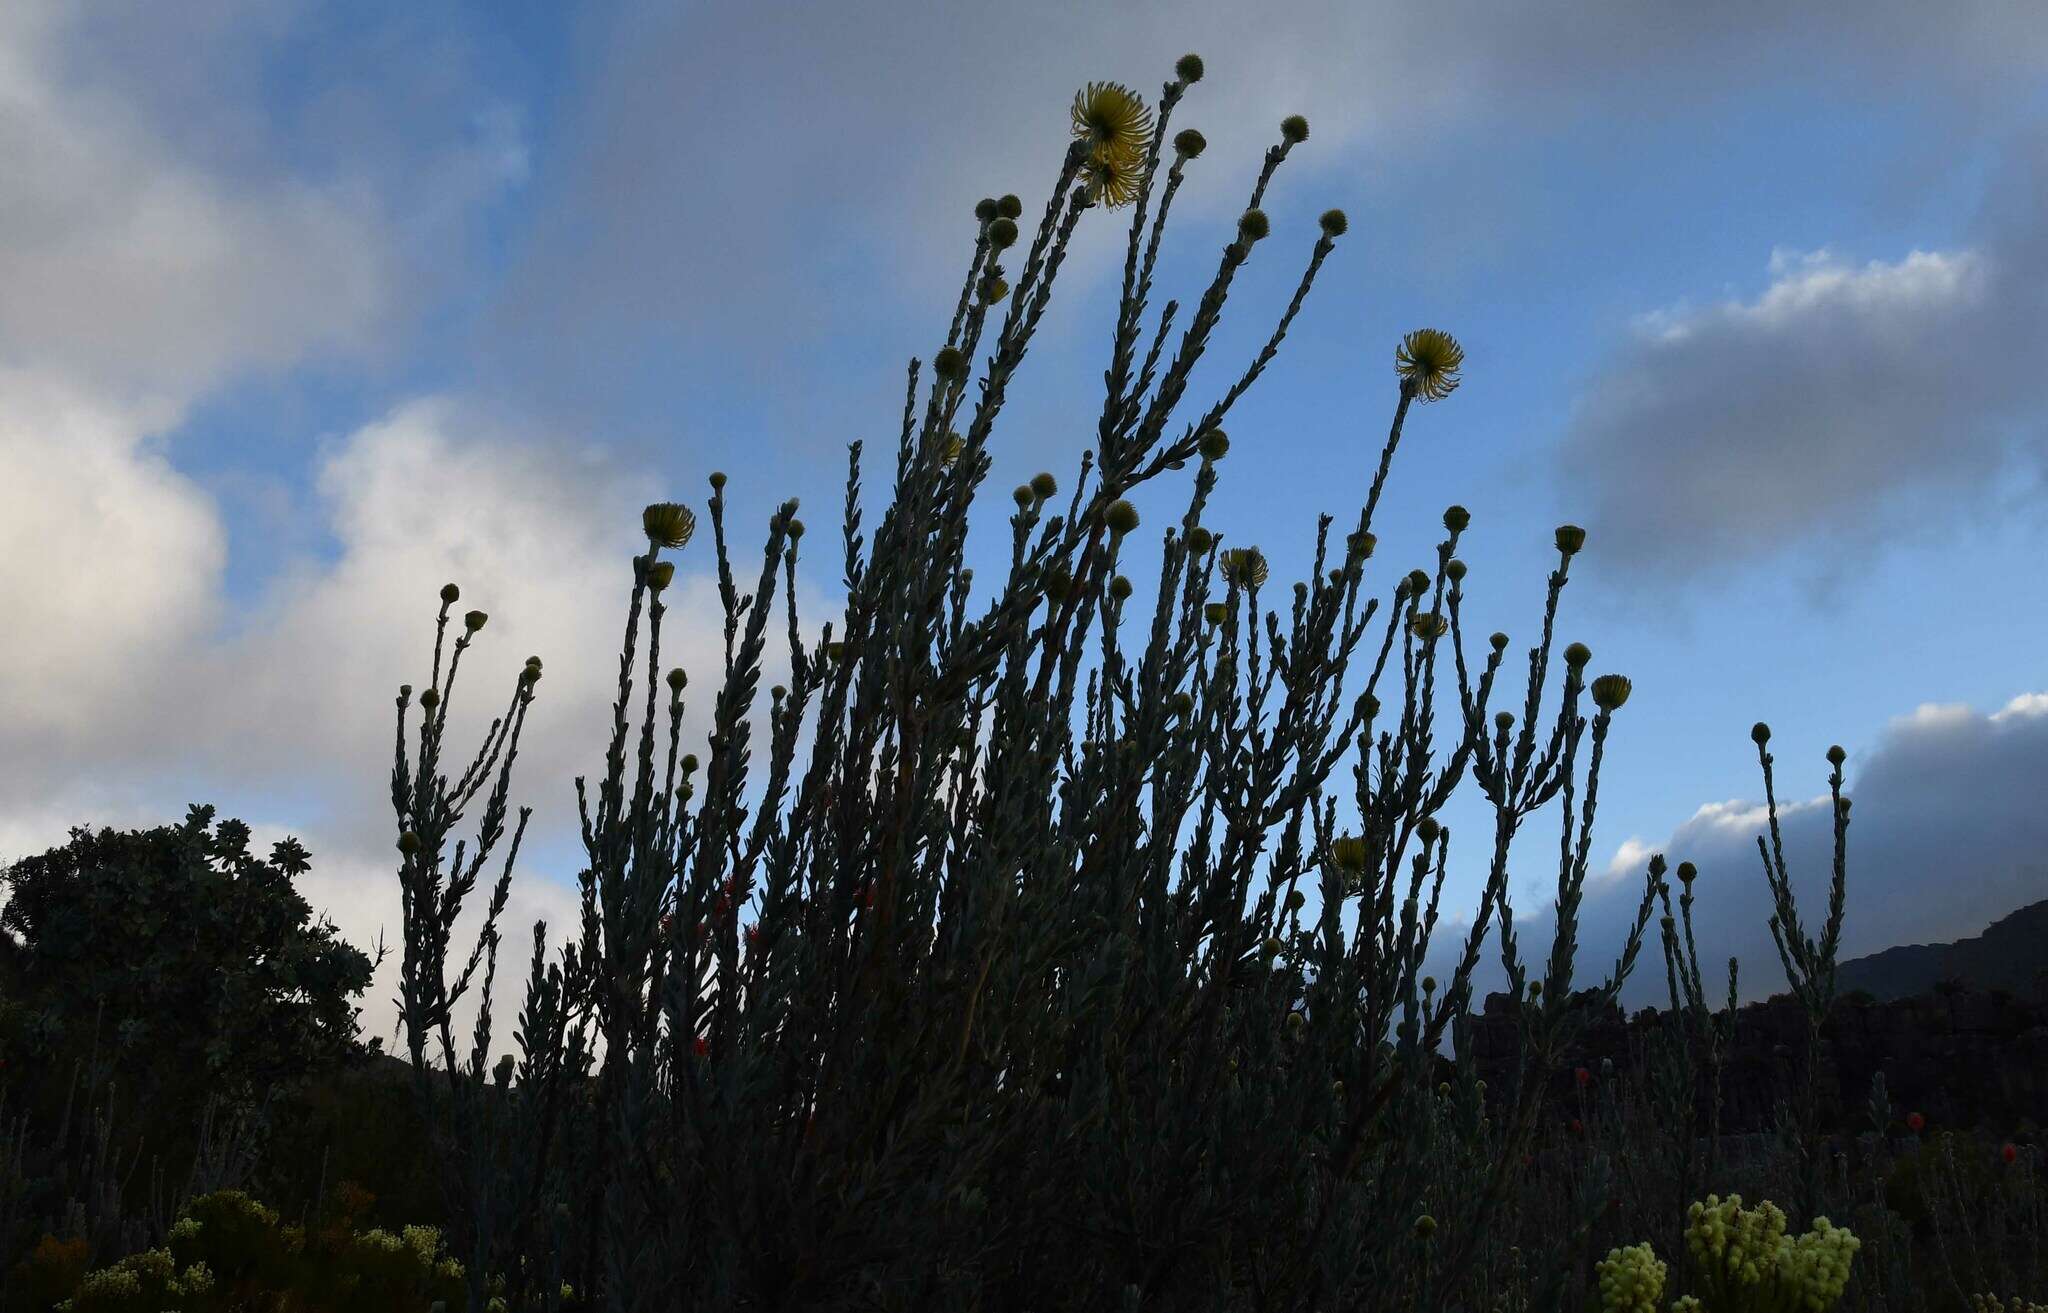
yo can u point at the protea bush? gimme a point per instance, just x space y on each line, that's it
970 967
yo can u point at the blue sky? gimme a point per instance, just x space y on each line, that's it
315 306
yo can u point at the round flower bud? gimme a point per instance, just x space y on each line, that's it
1610 691
1457 518
530 676
404 691
1044 485
1253 225
1498 640
1368 706
1425 1226
1429 984
1296 1023
474 621
1428 828
1577 655
1180 704
1443 1089
985 208
533 661
1836 756
1687 872
1361 544
1333 223
1535 989
1002 234
1294 128
1189 143
777 693
661 574
430 699
950 363
1188 68
1294 900
1455 571
1121 517
1503 721
1215 444
1760 733
688 763
1200 540
1008 206
677 680
795 528
1119 588
449 592
1418 582
718 480
1214 613
1273 947
668 524
1022 495
408 843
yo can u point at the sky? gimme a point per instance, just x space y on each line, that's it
309 308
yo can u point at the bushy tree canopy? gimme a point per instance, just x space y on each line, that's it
202 954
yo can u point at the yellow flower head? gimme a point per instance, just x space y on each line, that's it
1112 119
1244 566
1113 177
668 524
1430 359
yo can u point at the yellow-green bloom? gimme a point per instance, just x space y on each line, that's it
1610 691
1244 566
1349 853
1430 360
661 574
669 524
1429 624
1570 538
1333 223
1112 119
1631 1280
1113 178
1120 516
1294 128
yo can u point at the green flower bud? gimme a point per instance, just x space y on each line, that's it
1119 588
1418 582
1188 68
1498 641
985 208
1295 899
1294 128
1044 485
1687 872
1022 495
795 528
1457 519
688 763
1273 947
533 661
1214 613
718 480
1570 538
1368 706
1200 540
1334 224
1189 144
408 843
1535 989
677 680
1577 655
661 574
1121 517
430 699
529 676
668 524
1009 207
1215 444
777 692
1361 544
1610 691
449 592
1455 571
1503 720
1428 828
1253 225
1429 984
950 364
1836 756
1443 1089
1002 234
1425 1226
1180 704
1760 733
474 621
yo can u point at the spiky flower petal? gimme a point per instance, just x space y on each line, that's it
1430 360
1244 566
668 524
1112 119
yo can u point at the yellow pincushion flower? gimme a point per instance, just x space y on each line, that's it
1113 178
1631 1279
1113 120
1430 359
1244 566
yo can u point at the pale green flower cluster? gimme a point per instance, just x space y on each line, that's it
153 1269
1747 1262
1630 1279
1993 1304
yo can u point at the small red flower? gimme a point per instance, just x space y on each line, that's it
1578 1127
1585 1077
1915 1122
701 1047
753 935
2009 1152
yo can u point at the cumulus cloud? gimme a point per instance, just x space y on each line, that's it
1946 835
1846 404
